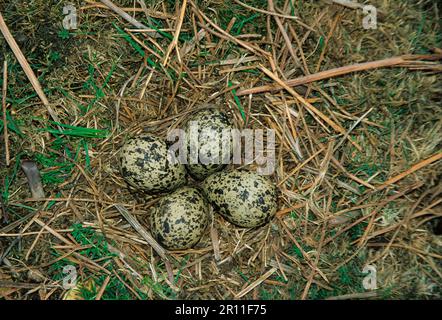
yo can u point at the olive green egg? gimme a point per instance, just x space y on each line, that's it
146 167
243 198
179 221
204 135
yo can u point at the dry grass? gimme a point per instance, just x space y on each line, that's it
358 155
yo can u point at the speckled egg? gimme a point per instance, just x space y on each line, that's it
180 220
146 167
244 198
204 130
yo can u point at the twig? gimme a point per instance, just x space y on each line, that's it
347 134
359 295
103 288
174 42
127 17
414 168
26 67
24 285
5 123
347 3
156 14
272 13
350 175
16 223
142 231
305 103
284 34
254 284
126 285
326 42
54 233
336 72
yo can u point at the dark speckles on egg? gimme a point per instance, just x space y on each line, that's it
248 200
180 220
243 195
166 227
145 166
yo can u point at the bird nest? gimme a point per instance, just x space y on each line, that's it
356 115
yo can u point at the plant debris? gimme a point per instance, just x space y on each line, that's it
357 117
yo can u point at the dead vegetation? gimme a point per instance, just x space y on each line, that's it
358 126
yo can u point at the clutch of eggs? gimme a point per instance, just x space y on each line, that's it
246 199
